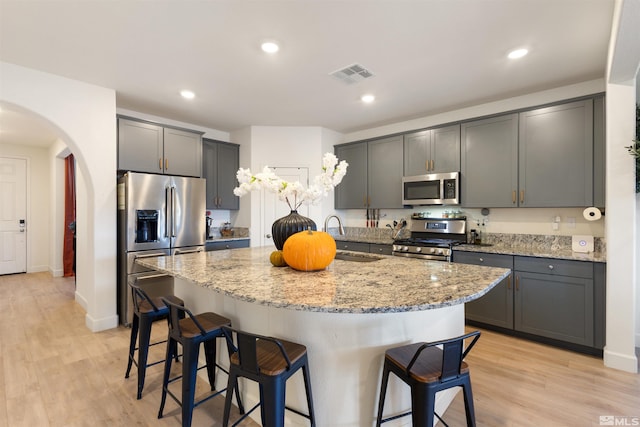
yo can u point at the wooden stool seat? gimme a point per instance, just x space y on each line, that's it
427 368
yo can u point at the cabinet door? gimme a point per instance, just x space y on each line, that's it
209 162
489 162
182 153
558 307
379 248
496 306
352 246
445 149
227 167
417 153
384 169
351 193
139 146
556 156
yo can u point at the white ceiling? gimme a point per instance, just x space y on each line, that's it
428 56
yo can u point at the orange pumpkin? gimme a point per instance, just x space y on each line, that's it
309 250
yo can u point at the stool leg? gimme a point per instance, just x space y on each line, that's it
210 356
468 403
383 393
132 344
172 350
189 371
144 337
273 400
422 406
231 386
307 387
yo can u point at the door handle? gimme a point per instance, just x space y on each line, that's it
268 236
190 251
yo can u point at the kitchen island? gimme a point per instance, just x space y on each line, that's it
346 315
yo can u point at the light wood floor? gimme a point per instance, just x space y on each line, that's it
55 372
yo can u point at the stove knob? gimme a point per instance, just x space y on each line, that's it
418 249
440 252
405 248
431 250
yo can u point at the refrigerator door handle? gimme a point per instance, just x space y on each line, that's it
173 211
191 251
167 196
149 255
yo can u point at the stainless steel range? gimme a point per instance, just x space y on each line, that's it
432 238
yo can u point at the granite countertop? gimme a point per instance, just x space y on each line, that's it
542 246
389 284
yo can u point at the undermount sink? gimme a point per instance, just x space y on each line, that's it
349 256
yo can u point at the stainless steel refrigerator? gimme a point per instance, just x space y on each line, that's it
157 215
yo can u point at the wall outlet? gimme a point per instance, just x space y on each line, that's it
571 222
555 225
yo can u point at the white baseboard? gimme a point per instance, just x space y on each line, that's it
82 301
97 325
623 362
56 272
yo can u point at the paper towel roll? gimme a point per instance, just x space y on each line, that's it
592 214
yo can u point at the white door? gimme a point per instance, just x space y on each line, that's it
275 208
13 214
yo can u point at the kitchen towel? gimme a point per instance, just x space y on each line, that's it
592 214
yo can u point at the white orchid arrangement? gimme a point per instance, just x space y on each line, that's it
294 193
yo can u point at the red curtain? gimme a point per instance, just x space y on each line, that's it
69 255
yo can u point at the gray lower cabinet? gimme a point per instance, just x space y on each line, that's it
226 244
374 176
220 162
489 162
495 307
432 151
153 148
376 248
554 299
562 300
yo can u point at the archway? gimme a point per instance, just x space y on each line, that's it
84 116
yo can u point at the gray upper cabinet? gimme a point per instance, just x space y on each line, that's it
384 170
220 164
374 176
352 191
432 151
148 147
556 156
489 162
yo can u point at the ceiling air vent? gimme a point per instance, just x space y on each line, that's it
352 74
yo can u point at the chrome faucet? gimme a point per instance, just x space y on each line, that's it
326 222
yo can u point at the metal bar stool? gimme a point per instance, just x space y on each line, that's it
428 369
190 331
146 311
270 362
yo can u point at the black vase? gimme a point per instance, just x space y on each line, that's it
293 223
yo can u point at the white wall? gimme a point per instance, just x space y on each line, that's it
83 116
37 203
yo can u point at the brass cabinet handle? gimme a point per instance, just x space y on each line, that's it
166 164
426 165
481 259
364 200
513 197
509 282
160 163
517 283
433 164
521 196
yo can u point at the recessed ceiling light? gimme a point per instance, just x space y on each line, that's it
270 47
187 94
367 98
518 53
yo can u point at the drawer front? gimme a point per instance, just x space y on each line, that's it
480 258
352 246
560 267
228 244
376 248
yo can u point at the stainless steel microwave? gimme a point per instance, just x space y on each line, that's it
431 189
